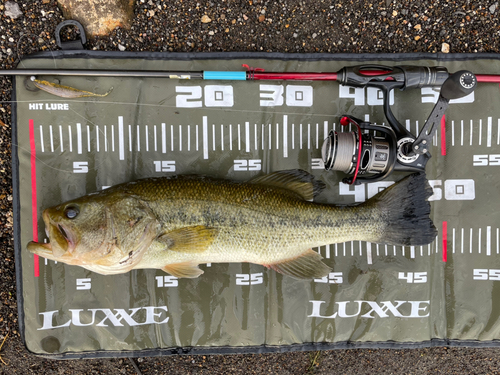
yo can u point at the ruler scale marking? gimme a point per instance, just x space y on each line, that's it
489 132
51 139
155 138
113 138
97 138
488 240
247 136
205 137
222 137
255 136
480 131
452 133
470 241
461 132
61 139
213 137
163 138
462 241
239 137
79 137
285 136
479 241
138 139
180 137
471 124
130 138
70 138
171 137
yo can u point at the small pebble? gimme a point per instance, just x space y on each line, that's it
205 19
12 10
445 48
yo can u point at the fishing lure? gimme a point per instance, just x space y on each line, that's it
64 91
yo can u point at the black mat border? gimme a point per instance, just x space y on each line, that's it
270 349
183 56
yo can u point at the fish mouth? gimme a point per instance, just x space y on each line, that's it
62 241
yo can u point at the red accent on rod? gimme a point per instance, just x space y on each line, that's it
443 135
367 72
34 214
492 78
295 76
445 241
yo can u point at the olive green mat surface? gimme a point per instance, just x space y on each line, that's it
445 293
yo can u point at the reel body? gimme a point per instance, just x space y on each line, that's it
373 152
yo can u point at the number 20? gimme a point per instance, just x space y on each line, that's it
215 96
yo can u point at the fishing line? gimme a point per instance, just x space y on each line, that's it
19 55
44 163
167 106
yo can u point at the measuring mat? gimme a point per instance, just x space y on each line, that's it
446 293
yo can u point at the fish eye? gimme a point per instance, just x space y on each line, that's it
71 212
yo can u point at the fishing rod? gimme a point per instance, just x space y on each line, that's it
343 76
372 152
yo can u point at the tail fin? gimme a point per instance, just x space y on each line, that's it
405 209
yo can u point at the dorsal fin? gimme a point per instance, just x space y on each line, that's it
296 180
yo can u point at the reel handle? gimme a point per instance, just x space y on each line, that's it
458 85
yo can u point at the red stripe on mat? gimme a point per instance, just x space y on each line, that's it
34 214
445 241
443 135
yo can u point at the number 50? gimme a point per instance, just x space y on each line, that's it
454 190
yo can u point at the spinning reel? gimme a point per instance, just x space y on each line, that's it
373 156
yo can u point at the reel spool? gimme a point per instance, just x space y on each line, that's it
360 154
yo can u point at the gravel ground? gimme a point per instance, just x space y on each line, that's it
255 25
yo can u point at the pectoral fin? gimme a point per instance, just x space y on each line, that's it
194 239
188 270
305 266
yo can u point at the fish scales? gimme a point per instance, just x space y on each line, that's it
258 224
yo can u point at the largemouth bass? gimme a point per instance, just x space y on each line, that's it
176 223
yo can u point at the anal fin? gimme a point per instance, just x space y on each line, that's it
189 270
305 266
